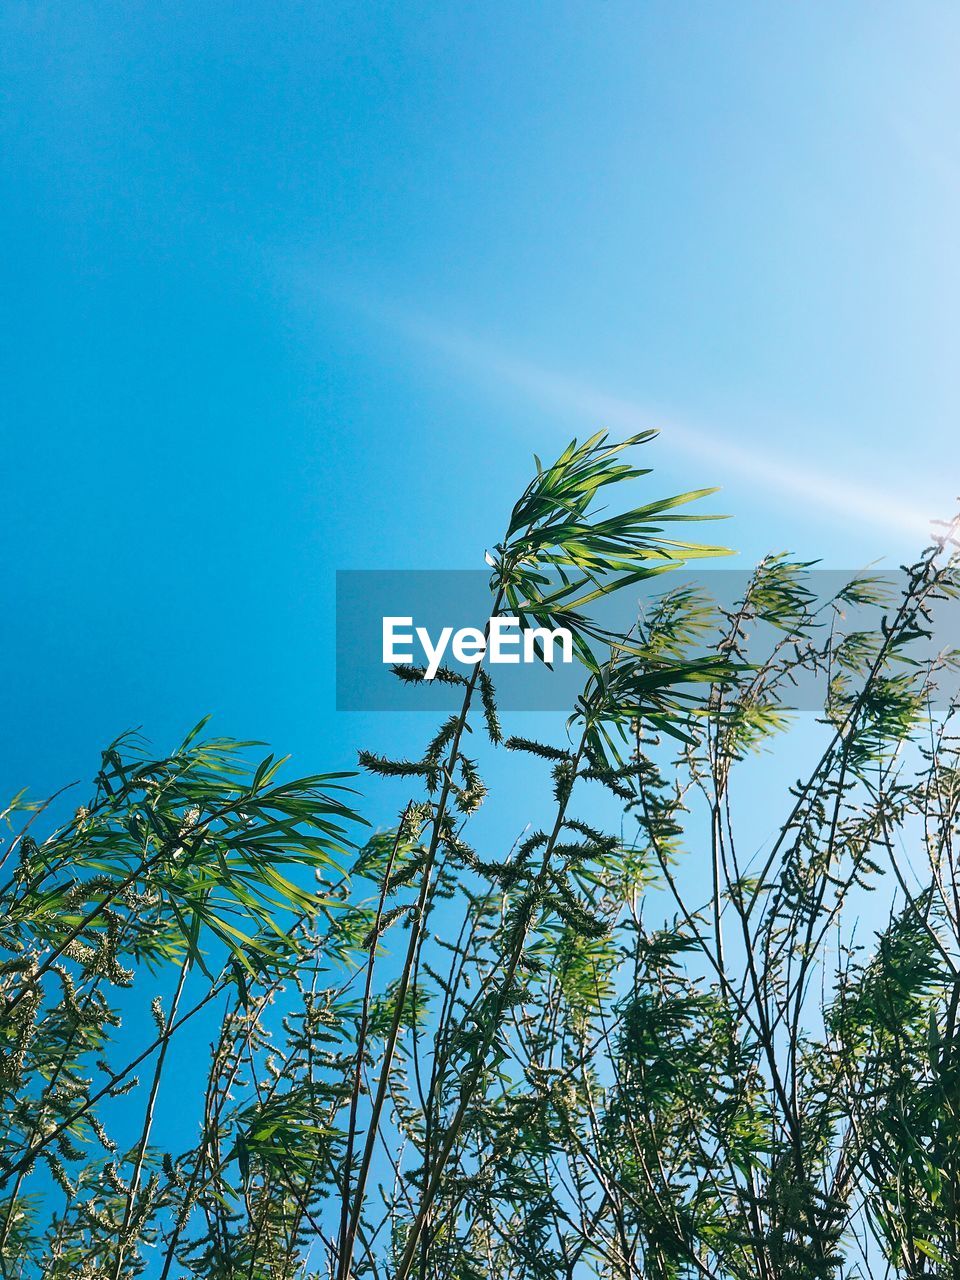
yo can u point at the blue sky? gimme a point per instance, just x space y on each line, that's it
294 287
298 287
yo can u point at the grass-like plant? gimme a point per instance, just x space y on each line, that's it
645 1044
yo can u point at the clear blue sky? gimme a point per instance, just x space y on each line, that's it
292 287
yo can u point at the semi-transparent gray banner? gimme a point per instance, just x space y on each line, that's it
383 614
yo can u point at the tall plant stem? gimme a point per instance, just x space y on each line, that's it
417 923
148 1120
476 1072
362 1041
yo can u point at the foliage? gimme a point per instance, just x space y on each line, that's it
645 1041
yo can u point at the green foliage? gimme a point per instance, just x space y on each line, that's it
646 1040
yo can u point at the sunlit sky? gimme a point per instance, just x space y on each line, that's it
294 287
